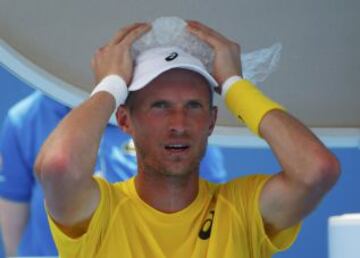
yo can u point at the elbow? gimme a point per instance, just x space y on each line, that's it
326 171
52 165
330 169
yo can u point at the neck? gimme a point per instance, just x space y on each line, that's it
171 194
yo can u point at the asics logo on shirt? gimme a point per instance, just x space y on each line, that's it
205 230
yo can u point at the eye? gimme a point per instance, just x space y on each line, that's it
160 104
194 104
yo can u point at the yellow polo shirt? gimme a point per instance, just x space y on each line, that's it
223 221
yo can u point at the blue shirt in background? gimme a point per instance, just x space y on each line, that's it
25 128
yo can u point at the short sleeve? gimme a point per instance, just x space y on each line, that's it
246 193
16 177
88 243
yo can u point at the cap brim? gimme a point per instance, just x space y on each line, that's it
147 78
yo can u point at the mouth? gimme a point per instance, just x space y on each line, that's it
176 148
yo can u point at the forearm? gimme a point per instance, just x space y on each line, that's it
308 167
66 161
309 170
73 145
300 153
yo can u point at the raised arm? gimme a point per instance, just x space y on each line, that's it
66 161
309 168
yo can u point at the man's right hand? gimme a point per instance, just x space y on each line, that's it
115 57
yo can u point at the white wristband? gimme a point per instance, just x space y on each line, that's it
229 81
115 85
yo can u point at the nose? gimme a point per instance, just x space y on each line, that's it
178 121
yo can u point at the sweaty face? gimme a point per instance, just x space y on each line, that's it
170 121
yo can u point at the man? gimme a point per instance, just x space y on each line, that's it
23 220
166 211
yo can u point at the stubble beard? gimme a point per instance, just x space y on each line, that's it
176 168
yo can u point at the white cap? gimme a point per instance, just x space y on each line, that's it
153 62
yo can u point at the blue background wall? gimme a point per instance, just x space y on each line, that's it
312 241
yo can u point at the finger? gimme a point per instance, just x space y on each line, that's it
119 36
136 33
213 41
210 36
122 33
100 49
200 26
197 24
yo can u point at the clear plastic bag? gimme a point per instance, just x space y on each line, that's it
170 31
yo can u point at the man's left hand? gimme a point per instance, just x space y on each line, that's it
226 52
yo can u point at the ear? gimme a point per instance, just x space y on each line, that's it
213 118
123 119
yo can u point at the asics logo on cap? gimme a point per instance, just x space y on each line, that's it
172 56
